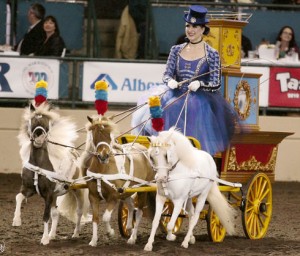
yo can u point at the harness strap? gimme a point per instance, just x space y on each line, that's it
35 182
52 176
99 189
195 175
119 176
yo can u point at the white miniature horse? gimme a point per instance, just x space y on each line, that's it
184 172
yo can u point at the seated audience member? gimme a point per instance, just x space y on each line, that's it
246 46
138 11
286 42
35 35
127 39
54 44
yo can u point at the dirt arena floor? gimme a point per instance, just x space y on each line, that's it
283 237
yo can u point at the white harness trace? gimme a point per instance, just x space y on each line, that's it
120 159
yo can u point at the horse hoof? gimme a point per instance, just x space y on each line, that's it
93 243
52 237
75 235
131 241
111 233
192 240
16 223
185 245
148 248
171 237
45 241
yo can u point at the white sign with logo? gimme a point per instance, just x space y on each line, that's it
127 81
18 77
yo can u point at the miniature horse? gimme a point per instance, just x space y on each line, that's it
184 172
48 169
112 166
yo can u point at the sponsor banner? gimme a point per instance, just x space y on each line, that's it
127 81
18 77
284 87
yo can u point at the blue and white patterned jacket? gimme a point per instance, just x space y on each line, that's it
213 59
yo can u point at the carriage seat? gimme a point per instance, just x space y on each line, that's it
143 140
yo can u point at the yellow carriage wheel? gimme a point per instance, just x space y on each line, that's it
257 212
122 219
166 216
216 231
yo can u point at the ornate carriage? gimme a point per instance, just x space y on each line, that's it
251 157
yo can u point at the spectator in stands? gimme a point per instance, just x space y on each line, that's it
138 11
36 35
246 46
286 43
127 37
53 45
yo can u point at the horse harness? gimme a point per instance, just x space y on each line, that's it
61 184
120 163
194 175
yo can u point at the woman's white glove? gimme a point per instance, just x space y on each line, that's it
193 86
173 84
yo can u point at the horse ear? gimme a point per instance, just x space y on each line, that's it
32 107
149 139
111 118
90 119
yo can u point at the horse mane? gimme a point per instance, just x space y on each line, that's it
62 131
109 127
183 147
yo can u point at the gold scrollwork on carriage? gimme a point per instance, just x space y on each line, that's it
252 164
243 99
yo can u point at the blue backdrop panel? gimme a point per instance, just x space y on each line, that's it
70 17
169 25
2 21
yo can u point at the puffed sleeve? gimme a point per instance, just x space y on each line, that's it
214 63
170 72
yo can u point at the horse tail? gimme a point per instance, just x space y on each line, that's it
225 212
67 205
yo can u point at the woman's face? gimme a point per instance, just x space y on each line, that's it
49 26
194 32
286 35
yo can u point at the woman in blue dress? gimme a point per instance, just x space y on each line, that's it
193 66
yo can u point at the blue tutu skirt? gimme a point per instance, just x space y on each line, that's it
208 117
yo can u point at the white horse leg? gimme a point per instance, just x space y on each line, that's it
94 240
159 204
54 218
194 219
45 239
106 219
191 211
138 218
17 215
171 224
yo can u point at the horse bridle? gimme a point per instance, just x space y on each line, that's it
99 156
168 168
39 127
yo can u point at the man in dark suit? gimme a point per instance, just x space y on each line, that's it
36 35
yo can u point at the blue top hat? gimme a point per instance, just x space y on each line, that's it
196 16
